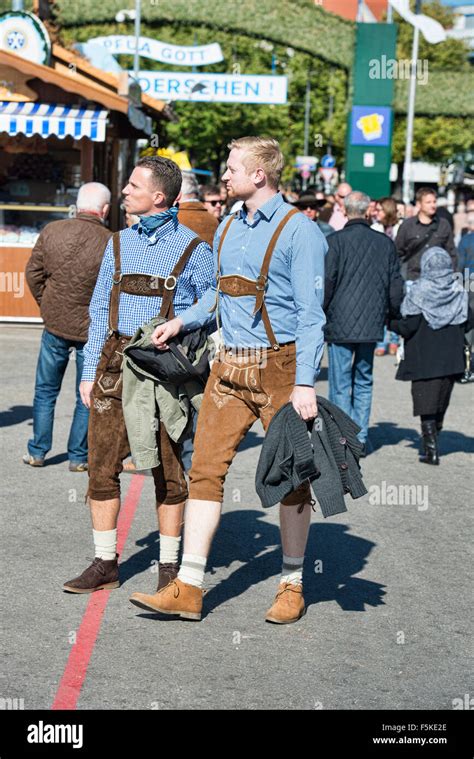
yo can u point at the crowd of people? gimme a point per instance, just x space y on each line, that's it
280 275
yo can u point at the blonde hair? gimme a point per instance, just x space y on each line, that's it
261 152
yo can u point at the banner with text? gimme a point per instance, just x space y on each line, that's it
218 88
178 55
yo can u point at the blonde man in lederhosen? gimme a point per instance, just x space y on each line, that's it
269 291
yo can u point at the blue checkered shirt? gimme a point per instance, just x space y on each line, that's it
155 255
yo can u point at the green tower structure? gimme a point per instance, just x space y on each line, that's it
370 121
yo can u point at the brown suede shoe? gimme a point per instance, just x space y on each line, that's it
288 605
168 573
177 598
100 575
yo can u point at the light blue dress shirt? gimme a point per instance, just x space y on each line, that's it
295 289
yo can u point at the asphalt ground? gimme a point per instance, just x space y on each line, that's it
388 584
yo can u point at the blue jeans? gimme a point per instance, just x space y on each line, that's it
350 381
52 362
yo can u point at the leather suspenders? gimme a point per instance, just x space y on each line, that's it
235 285
145 284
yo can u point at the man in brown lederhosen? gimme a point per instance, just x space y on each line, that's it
156 267
270 275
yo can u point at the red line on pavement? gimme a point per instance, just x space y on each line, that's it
74 674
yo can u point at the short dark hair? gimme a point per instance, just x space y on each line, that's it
420 194
166 176
209 189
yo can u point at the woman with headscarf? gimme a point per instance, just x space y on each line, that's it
435 316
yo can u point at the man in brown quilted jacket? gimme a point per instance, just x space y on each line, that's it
194 214
61 274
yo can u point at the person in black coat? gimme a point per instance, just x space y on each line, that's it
435 317
363 288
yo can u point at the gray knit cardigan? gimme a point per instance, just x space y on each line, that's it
328 459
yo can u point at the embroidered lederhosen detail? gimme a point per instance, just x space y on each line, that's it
135 284
236 285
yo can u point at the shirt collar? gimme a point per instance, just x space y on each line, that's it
434 218
351 222
95 218
266 211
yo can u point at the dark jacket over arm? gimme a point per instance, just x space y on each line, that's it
329 460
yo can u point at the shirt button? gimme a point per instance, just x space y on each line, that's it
344 467
342 440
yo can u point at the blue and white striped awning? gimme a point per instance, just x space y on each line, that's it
59 120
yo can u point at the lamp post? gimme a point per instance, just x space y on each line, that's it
307 113
133 15
411 110
136 59
433 33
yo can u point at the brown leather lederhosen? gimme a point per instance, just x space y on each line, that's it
236 285
108 440
241 389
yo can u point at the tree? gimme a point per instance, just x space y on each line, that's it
204 129
435 139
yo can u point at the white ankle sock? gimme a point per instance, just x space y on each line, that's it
192 569
169 549
292 570
105 542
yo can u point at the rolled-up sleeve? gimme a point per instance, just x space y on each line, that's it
203 272
99 315
202 312
308 250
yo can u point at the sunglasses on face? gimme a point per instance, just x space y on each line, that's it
214 203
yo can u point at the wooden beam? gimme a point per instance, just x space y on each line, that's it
67 80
